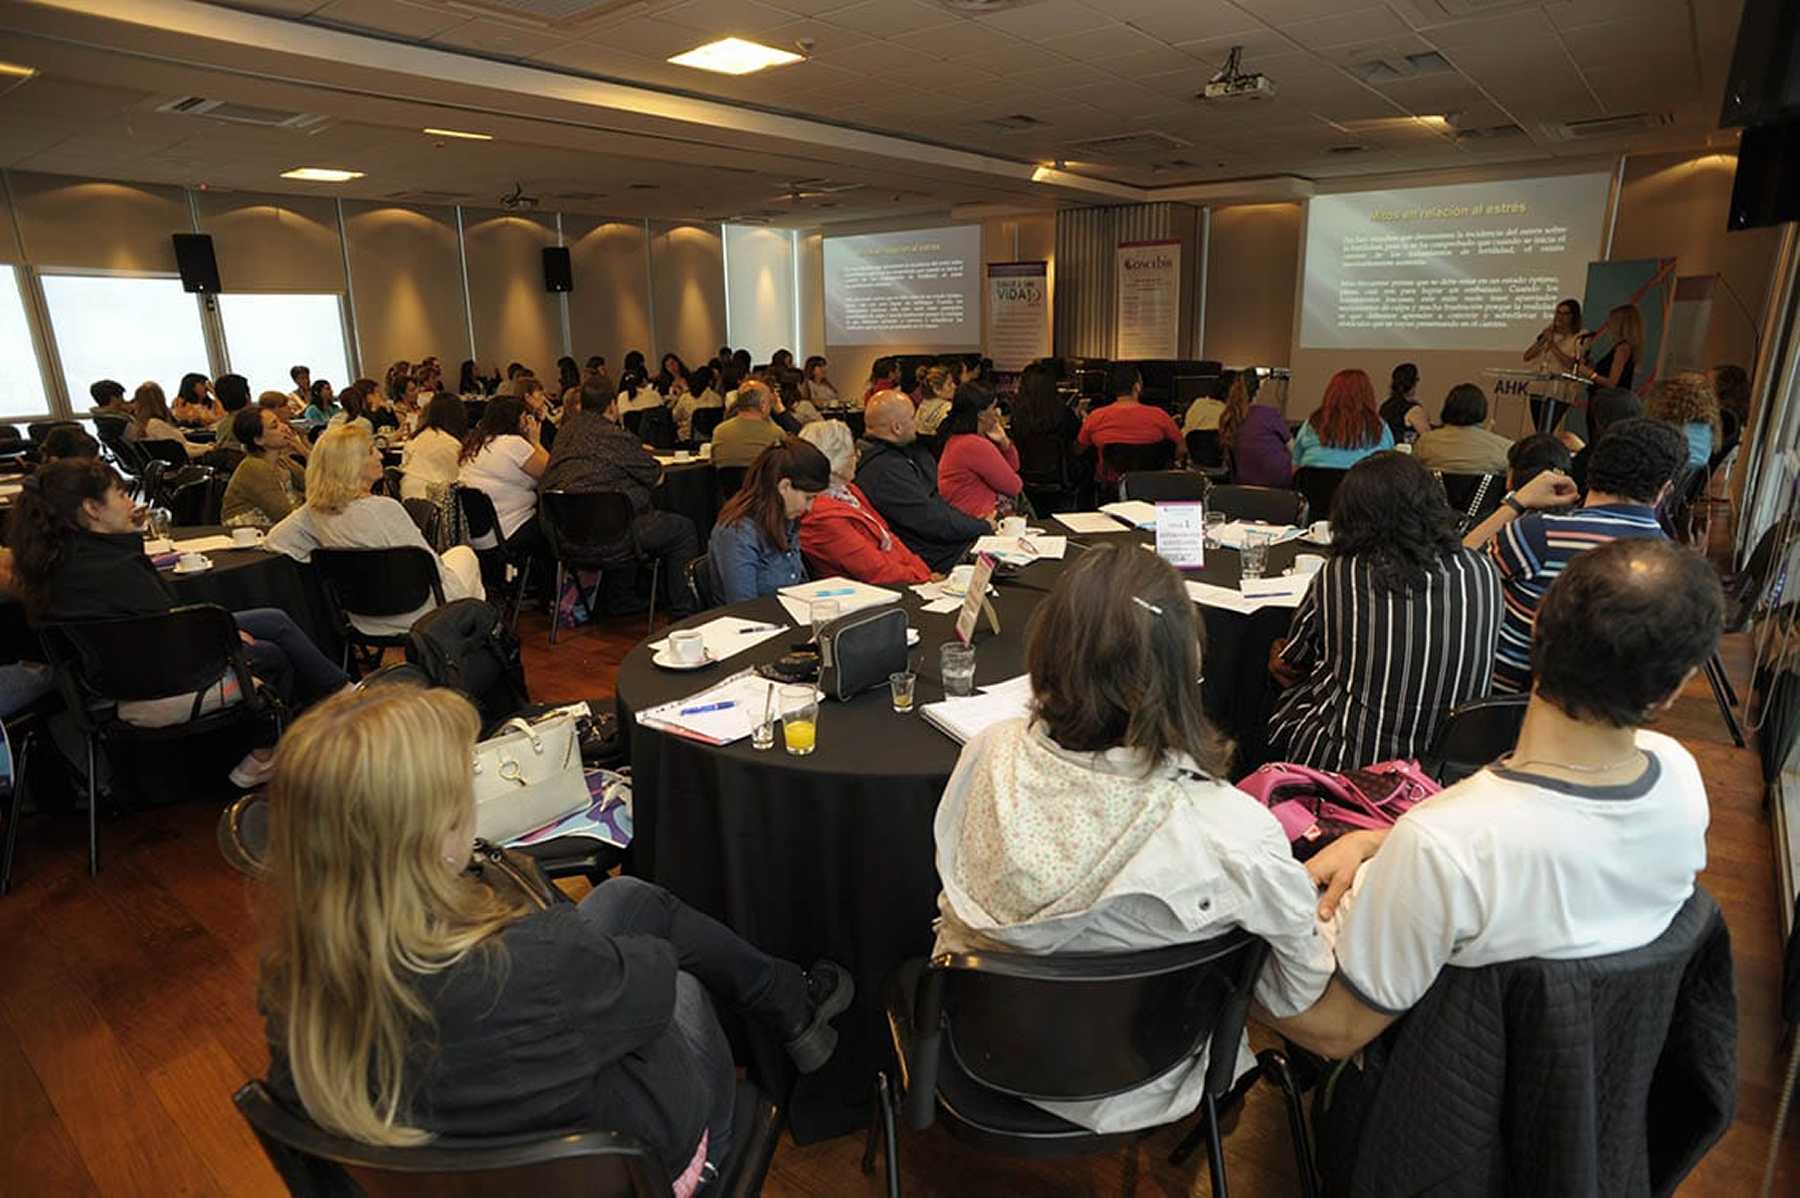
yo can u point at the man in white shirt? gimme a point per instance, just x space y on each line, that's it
1584 841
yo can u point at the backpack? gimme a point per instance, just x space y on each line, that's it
465 646
1315 807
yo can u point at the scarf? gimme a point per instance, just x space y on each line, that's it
843 493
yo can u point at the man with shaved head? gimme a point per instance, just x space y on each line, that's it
899 476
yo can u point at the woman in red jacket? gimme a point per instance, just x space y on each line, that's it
979 469
842 534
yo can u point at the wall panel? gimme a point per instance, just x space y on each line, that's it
99 225
515 318
1252 261
609 310
273 243
407 285
687 274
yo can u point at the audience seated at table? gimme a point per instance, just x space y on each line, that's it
690 393
899 476
1404 414
1039 409
78 554
268 484
936 391
1127 420
448 1001
755 546
1104 821
884 375
109 399
748 427
432 459
1608 406
672 368
817 386
151 420
1345 428
594 454
1203 414
67 441
1584 841
322 405
340 513
353 409
1530 456
301 395
978 470
842 533
403 395
503 457
1629 475
233 392
635 392
1687 401
194 405
1396 630
1464 444
1254 437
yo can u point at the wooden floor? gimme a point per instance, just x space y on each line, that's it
127 1020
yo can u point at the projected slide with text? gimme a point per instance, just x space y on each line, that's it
918 287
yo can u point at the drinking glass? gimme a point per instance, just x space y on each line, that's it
762 732
823 612
1214 522
799 719
1256 553
957 663
900 685
158 522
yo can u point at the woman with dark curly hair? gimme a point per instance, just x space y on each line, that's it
1397 629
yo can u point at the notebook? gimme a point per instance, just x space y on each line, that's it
1134 512
964 717
1088 522
850 595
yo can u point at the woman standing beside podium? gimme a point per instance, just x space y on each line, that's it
1556 350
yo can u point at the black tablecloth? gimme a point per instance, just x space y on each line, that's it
831 855
241 579
688 489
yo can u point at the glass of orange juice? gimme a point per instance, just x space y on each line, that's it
799 719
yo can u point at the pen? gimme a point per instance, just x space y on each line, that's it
706 707
833 591
756 628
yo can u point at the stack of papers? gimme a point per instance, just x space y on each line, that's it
205 544
1252 594
850 595
728 636
1134 512
964 717
1022 551
1231 535
718 715
1088 522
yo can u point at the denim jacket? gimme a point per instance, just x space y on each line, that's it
748 566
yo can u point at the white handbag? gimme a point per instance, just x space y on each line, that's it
528 776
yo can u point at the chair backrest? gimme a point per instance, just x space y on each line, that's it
1472 496
634 420
314 1161
1044 460
1271 505
380 582
730 480
1319 484
478 512
426 515
391 478
705 420
699 575
244 835
586 524
657 428
1136 459
1203 447
171 452
39 429
1079 1026
466 646
1171 485
176 652
399 673
1473 735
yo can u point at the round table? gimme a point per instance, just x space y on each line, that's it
831 855
689 489
241 579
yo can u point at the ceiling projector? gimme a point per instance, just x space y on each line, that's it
1234 84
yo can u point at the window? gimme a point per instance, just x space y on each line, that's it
129 329
268 335
21 383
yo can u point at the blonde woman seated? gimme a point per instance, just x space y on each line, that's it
444 1001
937 389
1101 822
842 533
340 513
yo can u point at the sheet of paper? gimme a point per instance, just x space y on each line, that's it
1208 595
962 718
1283 590
204 544
1181 534
1231 535
938 607
736 703
669 459
1088 522
1017 687
1134 512
1023 550
850 595
728 636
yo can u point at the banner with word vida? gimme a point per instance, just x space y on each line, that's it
1148 317
1018 332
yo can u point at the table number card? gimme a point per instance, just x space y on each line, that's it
976 601
1181 534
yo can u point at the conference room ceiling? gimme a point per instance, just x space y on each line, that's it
1104 88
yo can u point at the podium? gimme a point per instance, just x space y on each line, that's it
1525 383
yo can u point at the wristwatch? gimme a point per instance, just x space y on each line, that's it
1511 500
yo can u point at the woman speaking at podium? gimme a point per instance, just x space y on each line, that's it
1556 350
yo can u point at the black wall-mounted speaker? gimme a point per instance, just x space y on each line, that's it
559 272
194 259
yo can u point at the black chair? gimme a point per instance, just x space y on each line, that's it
1319 484
977 1034
730 480
1047 468
701 584
398 673
704 421
37 430
22 730
391 478
1473 496
1473 735
657 428
1166 485
1204 450
187 650
426 516
1118 460
634 421
591 530
376 584
483 523
1269 505
566 1164
172 452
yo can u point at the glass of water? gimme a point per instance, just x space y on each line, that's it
957 661
1214 522
1256 553
823 612
157 523
900 686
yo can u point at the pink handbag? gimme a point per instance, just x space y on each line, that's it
1315 807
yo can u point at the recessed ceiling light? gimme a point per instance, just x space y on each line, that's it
13 70
734 56
321 174
466 136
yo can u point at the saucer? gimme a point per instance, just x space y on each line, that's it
666 658
200 569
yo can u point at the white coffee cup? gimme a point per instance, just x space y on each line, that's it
192 561
706 450
1308 563
1319 530
245 538
958 580
1013 526
683 455
688 646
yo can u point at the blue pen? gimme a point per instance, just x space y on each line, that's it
702 710
831 592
